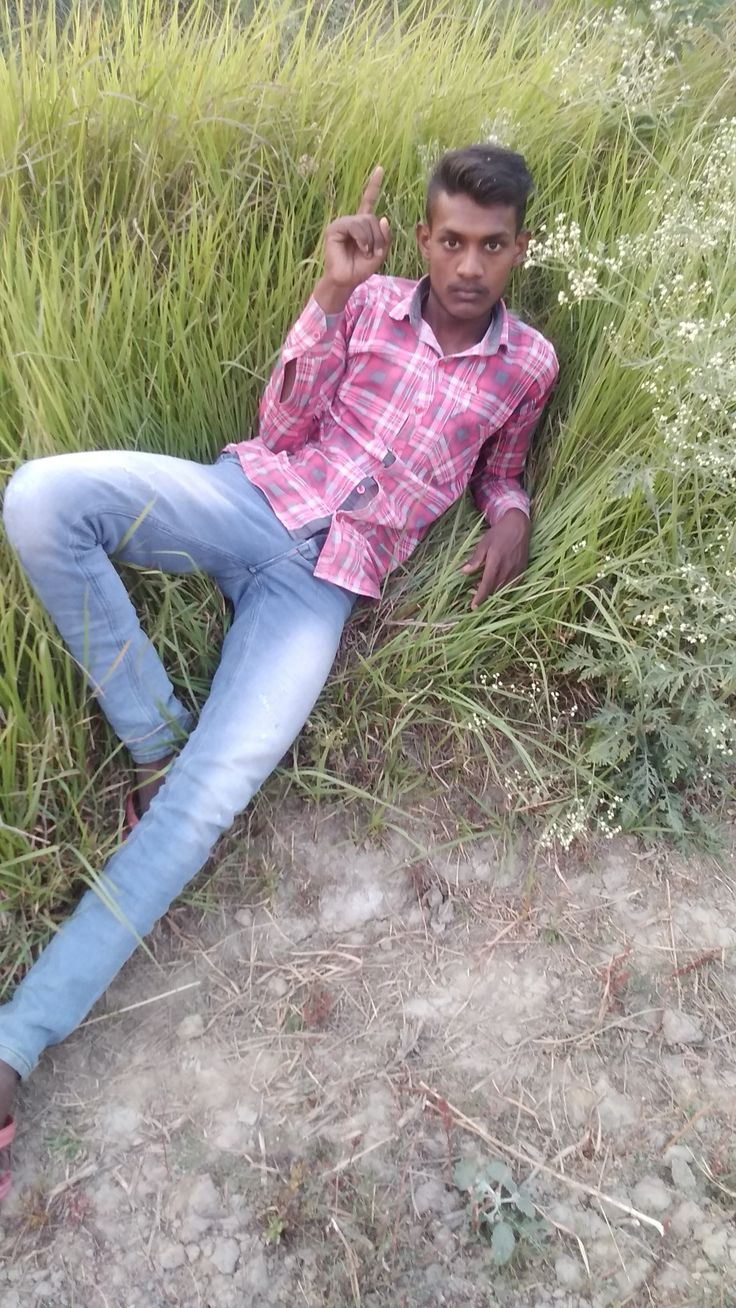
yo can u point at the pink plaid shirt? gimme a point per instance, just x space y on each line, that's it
382 432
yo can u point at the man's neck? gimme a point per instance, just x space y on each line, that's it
453 335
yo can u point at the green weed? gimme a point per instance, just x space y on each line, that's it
498 1209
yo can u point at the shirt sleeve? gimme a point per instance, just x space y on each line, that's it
318 344
496 481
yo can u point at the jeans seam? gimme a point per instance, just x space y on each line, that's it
94 585
166 531
296 547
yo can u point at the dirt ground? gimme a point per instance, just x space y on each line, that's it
348 1020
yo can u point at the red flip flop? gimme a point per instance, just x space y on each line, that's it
7 1135
131 816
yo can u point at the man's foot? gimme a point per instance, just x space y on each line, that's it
149 779
8 1082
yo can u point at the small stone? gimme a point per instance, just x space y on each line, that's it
672 1277
193 1228
225 1256
686 1217
715 1247
680 1028
652 1195
604 1249
634 1275
569 1273
191 1027
580 1102
244 917
231 1225
171 1256
231 1135
443 1239
278 985
615 1109
193 1252
255 1275
432 1197
682 1177
121 1122
204 1199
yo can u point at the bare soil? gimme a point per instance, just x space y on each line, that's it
348 1020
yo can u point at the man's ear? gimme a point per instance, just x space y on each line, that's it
422 234
522 244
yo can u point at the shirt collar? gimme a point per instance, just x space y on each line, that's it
410 306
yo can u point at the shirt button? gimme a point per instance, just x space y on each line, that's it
361 490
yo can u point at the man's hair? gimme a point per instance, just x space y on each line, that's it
489 174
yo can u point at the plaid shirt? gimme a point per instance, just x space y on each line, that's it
382 432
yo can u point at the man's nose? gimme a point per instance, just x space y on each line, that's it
470 267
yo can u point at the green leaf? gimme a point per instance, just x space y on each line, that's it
500 1174
503 1243
465 1174
524 1204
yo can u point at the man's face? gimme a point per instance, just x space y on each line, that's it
470 250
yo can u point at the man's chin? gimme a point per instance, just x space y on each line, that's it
470 308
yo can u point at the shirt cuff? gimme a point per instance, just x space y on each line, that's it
508 500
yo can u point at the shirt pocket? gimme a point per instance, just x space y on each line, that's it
467 415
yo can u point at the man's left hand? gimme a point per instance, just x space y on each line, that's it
502 552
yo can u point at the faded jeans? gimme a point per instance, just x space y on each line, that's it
67 516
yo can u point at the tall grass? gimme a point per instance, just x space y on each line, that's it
164 180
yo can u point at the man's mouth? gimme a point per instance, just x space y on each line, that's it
470 293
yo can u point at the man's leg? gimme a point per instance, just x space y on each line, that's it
66 516
275 659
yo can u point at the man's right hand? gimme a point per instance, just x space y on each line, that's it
355 248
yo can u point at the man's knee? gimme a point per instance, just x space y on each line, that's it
34 503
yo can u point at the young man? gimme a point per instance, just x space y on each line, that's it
389 399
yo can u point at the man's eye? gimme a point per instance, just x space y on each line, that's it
493 245
451 243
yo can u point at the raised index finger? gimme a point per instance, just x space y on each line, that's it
371 192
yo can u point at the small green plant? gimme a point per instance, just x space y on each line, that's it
499 1209
274 1229
66 1145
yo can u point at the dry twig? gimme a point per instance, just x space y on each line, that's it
191 985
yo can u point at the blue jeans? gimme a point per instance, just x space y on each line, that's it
66 517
